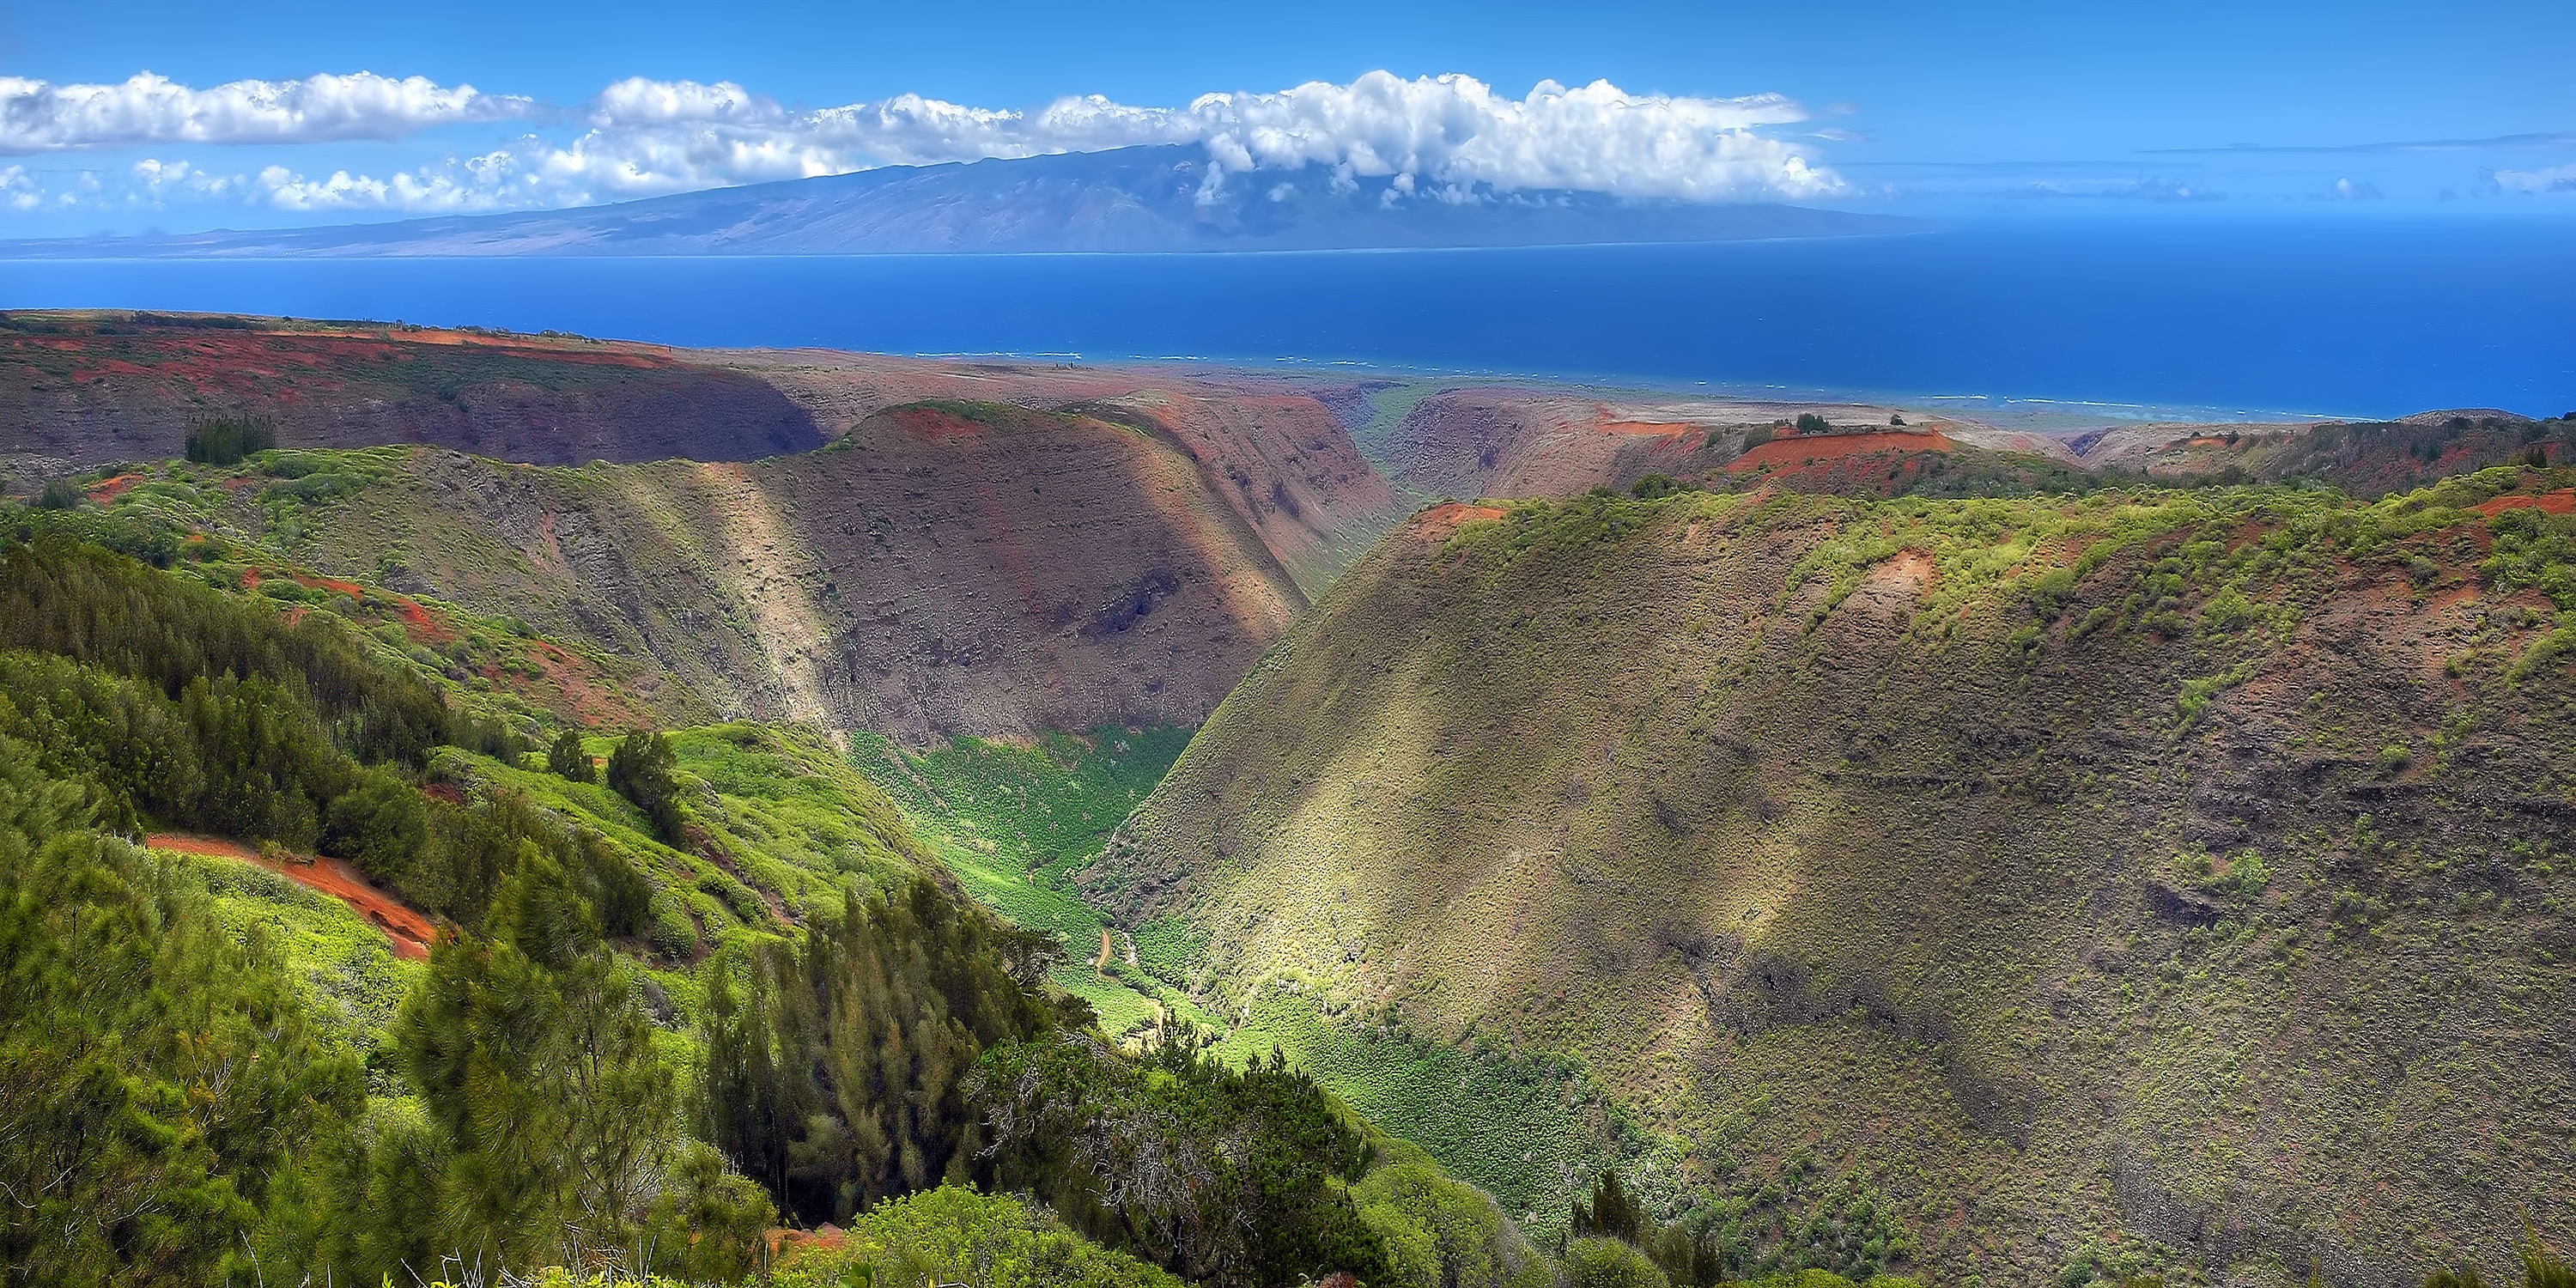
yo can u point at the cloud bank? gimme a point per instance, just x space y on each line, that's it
1450 136
38 117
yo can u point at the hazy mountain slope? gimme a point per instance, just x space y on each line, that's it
2365 458
2187 867
1132 199
1541 441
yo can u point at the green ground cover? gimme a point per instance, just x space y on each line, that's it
1532 1130
1014 821
346 965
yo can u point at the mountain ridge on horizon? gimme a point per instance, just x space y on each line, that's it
1128 200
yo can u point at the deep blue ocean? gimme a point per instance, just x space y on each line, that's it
2354 317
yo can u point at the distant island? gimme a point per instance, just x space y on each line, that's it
1146 199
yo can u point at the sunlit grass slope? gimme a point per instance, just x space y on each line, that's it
2165 868
1013 820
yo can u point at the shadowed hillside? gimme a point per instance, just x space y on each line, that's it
945 568
2180 874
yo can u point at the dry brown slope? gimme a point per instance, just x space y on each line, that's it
1277 454
936 575
80 389
1801 824
1506 441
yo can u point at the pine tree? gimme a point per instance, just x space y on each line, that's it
567 759
642 769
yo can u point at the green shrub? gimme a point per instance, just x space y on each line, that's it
675 933
61 494
834 1061
1609 1263
159 1079
954 1235
381 825
2250 872
567 759
2542 1267
1440 1233
643 770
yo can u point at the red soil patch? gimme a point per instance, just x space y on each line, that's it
444 791
1908 565
250 578
424 627
829 1238
1441 520
107 490
2562 501
349 588
410 932
1799 448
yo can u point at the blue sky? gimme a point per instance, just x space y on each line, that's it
2014 108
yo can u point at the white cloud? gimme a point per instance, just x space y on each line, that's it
156 181
2558 178
19 190
1455 130
1449 138
39 117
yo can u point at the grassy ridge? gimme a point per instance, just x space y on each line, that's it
2176 866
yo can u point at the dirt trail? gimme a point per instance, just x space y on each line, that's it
410 932
1101 966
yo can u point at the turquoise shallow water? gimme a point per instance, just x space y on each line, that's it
2244 317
